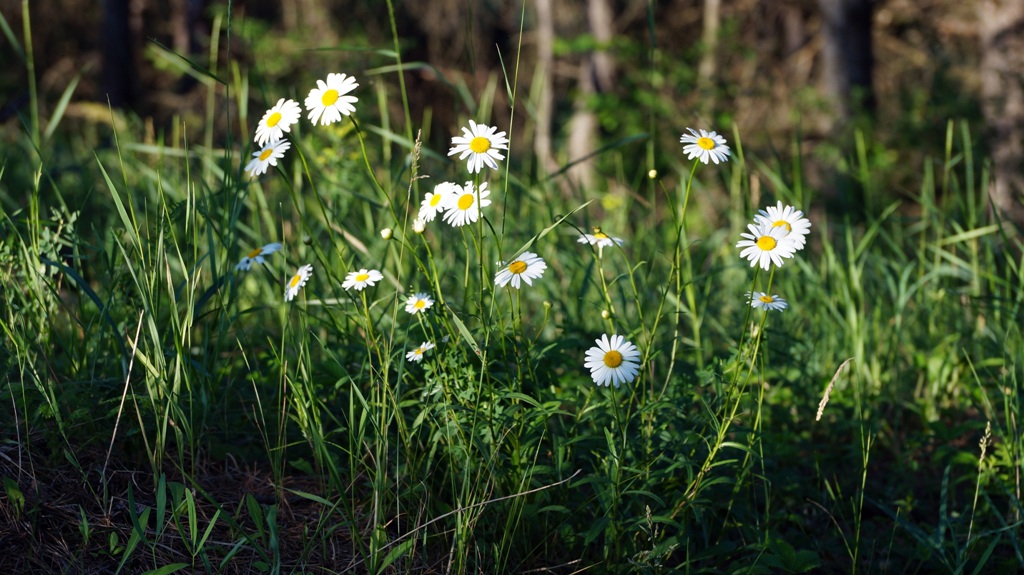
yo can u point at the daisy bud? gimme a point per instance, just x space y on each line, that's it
386 233
419 225
605 314
652 174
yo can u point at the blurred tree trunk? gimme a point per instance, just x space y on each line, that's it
120 75
546 92
1002 89
847 55
310 16
711 22
597 74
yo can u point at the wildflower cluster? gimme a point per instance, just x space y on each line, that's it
778 232
326 103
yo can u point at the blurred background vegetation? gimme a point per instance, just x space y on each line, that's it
592 72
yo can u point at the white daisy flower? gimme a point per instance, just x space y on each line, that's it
435 202
328 102
766 301
528 267
256 256
266 157
705 146
462 207
599 238
787 217
480 143
766 246
361 279
277 121
418 303
417 354
298 280
613 361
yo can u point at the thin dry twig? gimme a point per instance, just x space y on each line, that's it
124 394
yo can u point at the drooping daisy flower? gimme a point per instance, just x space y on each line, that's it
256 256
528 267
462 208
291 289
705 146
787 217
480 143
277 121
418 303
435 202
766 301
613 361
327 102
417 354
418 225
361 279
599 238
266 157
765 246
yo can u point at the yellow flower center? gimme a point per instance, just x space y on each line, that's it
706 143
266 154
517 267
613 359
466 201
295 280
766 243
435 199
479 144
329 97
254 253
766 298
601 236
783 224
362 277
273 119
420 304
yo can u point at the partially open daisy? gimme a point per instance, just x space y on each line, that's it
480 143
277 121
435 202
462 208
418 303
417 354
266 157
766 301
613 361
327 102
291 289
765 246
705 146
600 239
527 267
256 256
787 217
361 279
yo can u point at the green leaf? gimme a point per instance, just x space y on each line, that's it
167 569
395 554
14 495
62 105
